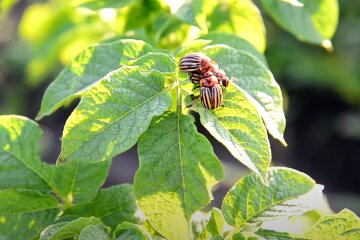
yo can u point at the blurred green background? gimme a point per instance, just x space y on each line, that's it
321 89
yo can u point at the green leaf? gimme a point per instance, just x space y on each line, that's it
99 4
95 232
88 68
16 201
175 174
189 11
113 114
78 181
239 128
289 193
23 214
159 61
257 82
22 168
236 42
112 206
26 225
216 222
20 165
273 235
130 231
344 225
242 18
313 22
68 230
194 46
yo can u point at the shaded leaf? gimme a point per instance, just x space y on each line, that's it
78 181
274 235
23 214
20 165
313 21
236 42
239 128
343 225
257 82
95 232
68 230
175 174
113 114
242 18
26 225
86 69
112 206
189 11
130 231
289 193
16 201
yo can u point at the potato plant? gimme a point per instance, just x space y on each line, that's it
132 92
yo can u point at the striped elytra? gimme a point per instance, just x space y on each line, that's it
197 62
211 97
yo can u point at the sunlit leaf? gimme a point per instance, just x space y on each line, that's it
239 128
6 5
189 11
216 223
175 175
112 206
257 82
311 21
130 231
242 18
159 61
343 225
289 193
88 68
113 114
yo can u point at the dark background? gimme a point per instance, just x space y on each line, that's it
321 97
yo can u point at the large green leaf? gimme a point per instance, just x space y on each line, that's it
257 82
20 165
273 235
239 127
176 173
344 225
236 42
311 21
86 69
112 206
69 230
113 114
242 18
161 62
130 231
289 193
23 214
189 11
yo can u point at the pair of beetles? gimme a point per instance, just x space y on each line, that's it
205 73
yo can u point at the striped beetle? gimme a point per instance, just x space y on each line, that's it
205 73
